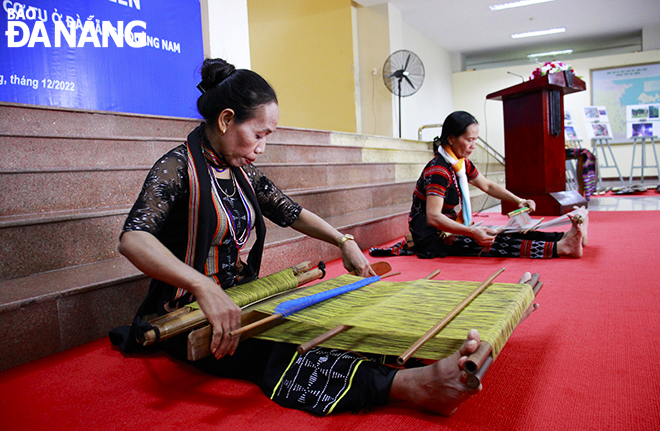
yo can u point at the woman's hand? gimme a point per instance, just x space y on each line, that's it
314 226
354 259
223 315
149 255
527 203
483 235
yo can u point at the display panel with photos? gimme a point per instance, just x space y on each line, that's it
643 129
647 112
595 114
572 133
568 116
599 130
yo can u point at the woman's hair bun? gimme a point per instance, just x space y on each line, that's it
225 87
214 71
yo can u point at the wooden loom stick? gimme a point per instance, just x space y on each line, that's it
534 226
478 363
519 211
306 347
442 323
302 267
276 316
199 340
185 318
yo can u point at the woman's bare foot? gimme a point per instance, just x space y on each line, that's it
570 244
439 387
585 223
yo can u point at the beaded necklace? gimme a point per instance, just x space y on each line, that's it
219 165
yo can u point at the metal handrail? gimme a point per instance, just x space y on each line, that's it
492 151
426 126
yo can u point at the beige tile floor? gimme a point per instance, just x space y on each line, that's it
617 203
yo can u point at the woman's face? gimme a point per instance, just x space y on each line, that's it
243 142
466 143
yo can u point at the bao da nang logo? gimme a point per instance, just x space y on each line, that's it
26 27
101 54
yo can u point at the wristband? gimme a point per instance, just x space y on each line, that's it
346 237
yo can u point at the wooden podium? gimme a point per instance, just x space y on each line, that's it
534 142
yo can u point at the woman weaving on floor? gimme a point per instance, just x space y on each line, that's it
199 205
440 217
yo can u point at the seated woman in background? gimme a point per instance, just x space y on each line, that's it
440 217
197 209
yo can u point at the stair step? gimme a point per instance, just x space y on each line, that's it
49 241
33 120
319 175
53 311
350 199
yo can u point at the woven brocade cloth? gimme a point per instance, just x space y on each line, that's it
321 380
388 317
588 169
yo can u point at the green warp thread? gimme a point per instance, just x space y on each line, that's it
245 294
388 317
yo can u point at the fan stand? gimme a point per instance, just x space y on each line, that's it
400 107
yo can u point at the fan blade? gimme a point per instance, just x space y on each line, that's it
407 61
409 81
398 74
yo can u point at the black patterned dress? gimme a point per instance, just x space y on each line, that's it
320 382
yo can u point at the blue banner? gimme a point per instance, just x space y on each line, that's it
136 56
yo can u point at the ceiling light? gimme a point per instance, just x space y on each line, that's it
516 4
545 54
538 33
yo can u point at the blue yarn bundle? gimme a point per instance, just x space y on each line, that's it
287 308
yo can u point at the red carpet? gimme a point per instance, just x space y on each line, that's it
584 361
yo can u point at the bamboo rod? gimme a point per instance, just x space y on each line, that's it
170 315
306 347
519 211
534 226
476 360
302 267
174 326
474 380
442 323
537 287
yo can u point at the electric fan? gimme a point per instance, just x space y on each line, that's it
403 74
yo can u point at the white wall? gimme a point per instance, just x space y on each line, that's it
226 31
471 88
434 100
